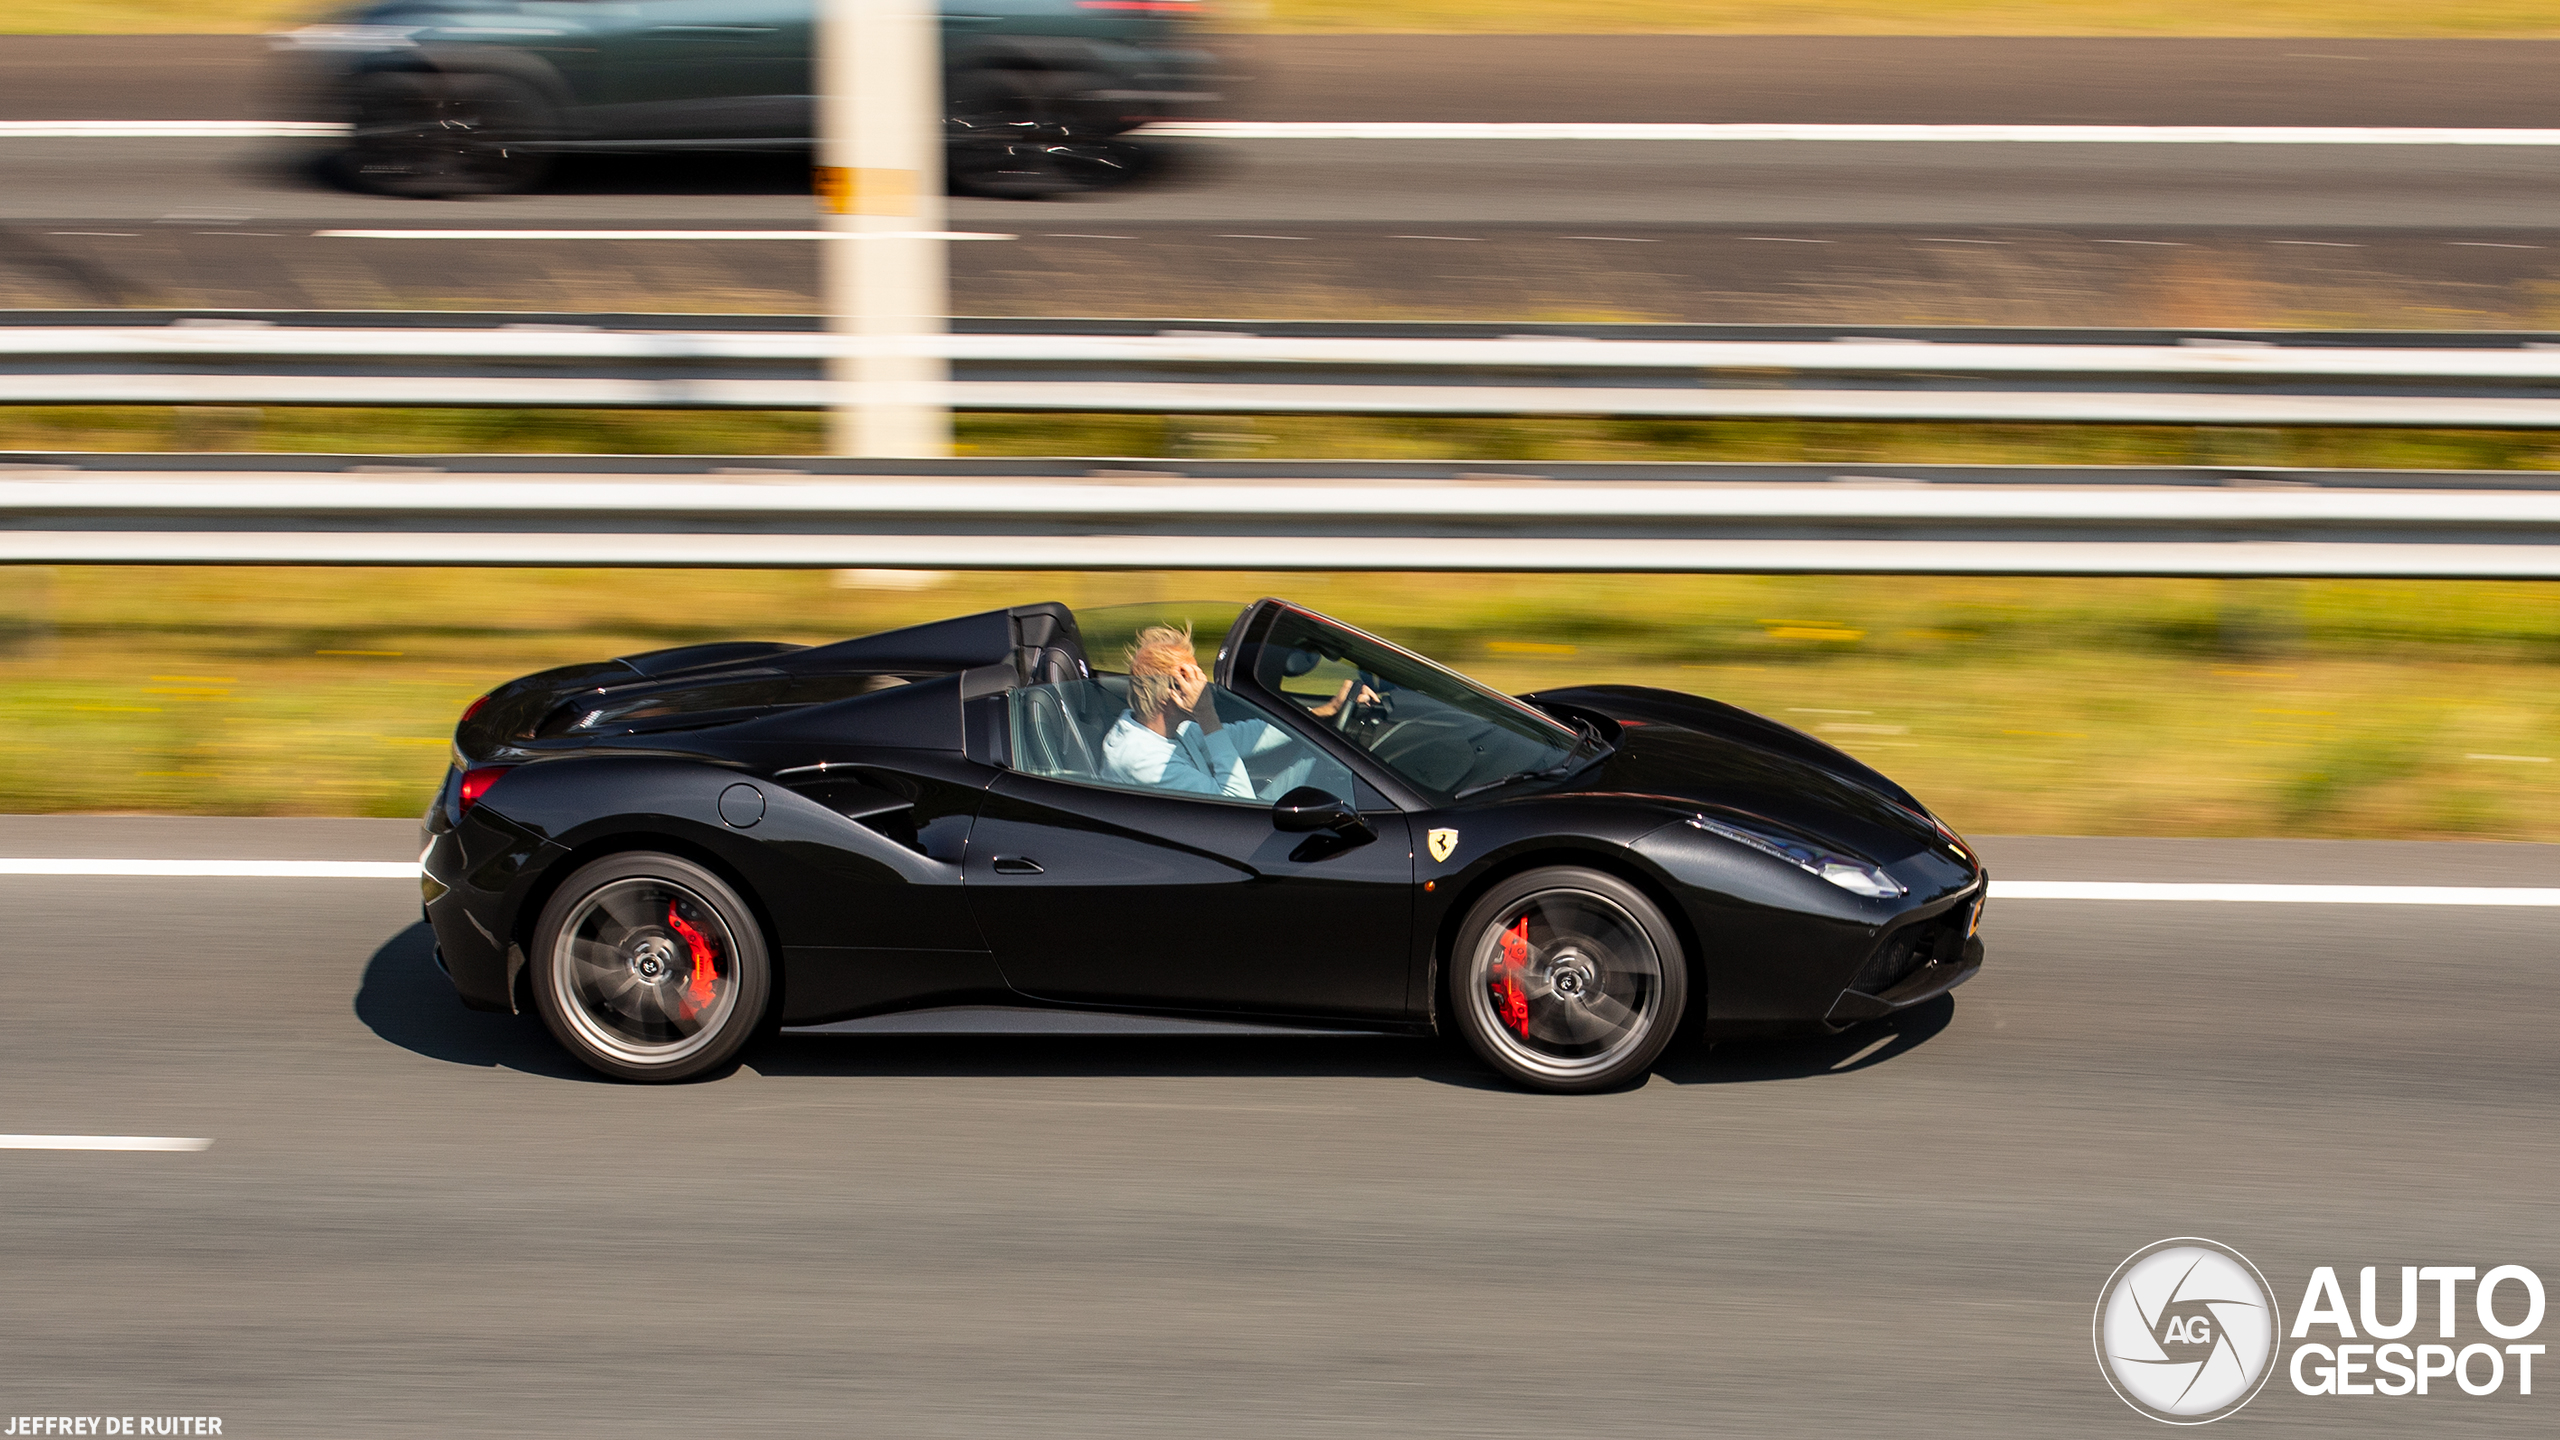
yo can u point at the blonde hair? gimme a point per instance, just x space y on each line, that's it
1159 652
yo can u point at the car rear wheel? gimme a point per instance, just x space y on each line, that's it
1567 980
650 967
1020 135
434 135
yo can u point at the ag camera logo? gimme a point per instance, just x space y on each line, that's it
2186 1331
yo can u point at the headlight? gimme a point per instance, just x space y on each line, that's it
1848 872
348 37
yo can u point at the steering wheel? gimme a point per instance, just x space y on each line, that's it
1359 718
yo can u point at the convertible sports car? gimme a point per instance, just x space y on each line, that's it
668 853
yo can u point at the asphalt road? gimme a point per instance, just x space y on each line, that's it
1599 78
1788 232
2054 234
1575 185
418 1220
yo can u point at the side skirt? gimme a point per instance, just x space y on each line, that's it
1038 1020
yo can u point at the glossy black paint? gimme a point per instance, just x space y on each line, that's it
860 796
1160 901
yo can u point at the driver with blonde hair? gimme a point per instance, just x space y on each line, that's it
1170 737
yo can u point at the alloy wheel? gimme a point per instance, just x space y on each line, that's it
646 972
1570 981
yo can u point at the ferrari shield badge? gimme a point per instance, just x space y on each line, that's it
1444 843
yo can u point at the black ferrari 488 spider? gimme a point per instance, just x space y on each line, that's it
668 853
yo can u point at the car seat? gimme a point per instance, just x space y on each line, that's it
1052 735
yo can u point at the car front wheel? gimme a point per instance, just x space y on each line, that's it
1022 135
1568 980
430 136
650 967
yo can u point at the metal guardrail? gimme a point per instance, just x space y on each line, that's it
2220 381
1964 520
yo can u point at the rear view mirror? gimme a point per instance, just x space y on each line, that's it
1308 808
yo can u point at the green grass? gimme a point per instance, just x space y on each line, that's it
604 432
2102 707
1303 437
2039 706
1780 17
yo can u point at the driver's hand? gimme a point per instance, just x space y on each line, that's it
1190 683
1342 697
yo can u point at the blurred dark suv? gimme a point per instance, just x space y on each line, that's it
449 97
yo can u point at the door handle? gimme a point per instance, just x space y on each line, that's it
1018 865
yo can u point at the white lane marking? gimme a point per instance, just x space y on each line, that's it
1889 134
167 129
423 234
103 1142
2274 894
1512 131
221 869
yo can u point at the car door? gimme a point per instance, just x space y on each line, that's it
1094 888
706 70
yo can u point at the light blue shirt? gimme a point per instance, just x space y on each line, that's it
1190 761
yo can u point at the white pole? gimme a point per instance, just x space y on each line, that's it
879 183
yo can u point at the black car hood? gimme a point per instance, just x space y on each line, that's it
1687 749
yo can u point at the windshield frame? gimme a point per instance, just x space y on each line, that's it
1238 662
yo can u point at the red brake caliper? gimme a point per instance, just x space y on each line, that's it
697 985
1510 996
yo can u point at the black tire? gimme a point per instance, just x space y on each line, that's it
1567 980
433 135
1018 134
649 967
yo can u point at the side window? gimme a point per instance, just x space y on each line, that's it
1083 731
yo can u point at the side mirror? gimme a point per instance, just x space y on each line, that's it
1308 808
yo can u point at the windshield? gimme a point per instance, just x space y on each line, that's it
1440 732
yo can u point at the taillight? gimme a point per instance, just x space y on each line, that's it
473 709
475 783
